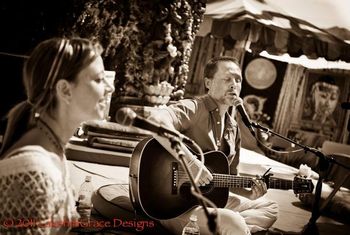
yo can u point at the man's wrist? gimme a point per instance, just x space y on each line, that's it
191 161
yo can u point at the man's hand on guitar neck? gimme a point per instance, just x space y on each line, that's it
258 189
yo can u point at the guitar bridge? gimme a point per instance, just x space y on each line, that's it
174 178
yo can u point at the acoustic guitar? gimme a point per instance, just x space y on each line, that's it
160 187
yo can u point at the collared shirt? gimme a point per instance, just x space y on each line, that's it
199 119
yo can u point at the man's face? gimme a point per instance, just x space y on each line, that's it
226 83
326 98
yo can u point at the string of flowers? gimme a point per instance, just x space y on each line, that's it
147 43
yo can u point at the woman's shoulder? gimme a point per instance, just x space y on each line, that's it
29 152
30 158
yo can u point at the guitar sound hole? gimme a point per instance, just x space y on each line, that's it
186 188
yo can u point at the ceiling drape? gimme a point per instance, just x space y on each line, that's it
275 32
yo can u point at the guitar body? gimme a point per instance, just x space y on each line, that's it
160 188
158 184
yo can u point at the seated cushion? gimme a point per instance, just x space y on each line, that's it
338 208
113 202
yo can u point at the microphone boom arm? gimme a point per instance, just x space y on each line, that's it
324 162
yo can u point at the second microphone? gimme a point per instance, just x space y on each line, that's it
127 117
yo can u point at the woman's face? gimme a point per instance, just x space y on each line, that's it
89 92
326 98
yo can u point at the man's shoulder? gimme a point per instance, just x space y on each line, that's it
189 103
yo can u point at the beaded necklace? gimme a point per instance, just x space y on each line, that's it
51 135
59 145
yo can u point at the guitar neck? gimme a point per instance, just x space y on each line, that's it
233 181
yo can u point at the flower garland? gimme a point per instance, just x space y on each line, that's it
146 42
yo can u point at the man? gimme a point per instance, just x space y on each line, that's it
207 121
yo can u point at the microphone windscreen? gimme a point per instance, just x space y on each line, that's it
237 101
125 116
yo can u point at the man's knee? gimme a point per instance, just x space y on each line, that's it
271 213
273 208
231 222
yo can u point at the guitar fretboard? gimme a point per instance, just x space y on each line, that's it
224 181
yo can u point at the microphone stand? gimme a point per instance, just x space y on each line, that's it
323 163
211 217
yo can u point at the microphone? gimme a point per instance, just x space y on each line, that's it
238 103
127 117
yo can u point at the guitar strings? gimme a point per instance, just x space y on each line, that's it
222 179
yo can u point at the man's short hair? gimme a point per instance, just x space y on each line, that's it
211 66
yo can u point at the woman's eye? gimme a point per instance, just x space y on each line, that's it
323 95
99 80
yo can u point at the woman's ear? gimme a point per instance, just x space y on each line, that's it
64 90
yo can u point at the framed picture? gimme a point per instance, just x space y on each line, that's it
320 112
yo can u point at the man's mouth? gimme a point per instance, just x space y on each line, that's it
232 93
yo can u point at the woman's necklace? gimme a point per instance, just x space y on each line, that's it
51 135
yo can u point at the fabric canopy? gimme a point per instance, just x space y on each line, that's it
270 26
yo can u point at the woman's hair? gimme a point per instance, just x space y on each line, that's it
50 61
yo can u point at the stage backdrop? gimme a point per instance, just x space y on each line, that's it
262 82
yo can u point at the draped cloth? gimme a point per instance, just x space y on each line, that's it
205 48
290 97
269 27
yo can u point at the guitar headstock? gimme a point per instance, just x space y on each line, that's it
302 185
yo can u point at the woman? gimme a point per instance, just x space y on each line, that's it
319 110
64 82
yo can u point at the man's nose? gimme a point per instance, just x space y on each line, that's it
233 85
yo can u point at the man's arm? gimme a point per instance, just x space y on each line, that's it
166 117
192 161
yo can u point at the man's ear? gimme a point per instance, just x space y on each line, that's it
64 90
207 82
